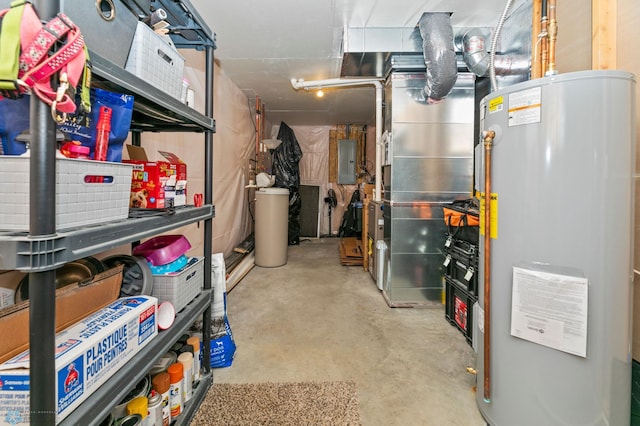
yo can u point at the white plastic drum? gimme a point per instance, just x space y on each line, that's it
561 266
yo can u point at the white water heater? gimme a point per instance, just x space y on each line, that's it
561 250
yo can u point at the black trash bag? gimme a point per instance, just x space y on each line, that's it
286 158
295 205
351 225
285 167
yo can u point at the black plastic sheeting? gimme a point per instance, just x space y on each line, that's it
286 158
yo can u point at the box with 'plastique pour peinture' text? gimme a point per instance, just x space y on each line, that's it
87 354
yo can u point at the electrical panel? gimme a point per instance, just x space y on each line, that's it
347 161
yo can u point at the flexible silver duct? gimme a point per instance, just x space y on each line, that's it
439 55
477 58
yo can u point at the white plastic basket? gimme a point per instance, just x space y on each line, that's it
154 60
87 192
180 287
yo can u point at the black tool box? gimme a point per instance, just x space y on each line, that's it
459 307
461 260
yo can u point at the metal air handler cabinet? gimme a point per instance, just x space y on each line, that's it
429 163
562 165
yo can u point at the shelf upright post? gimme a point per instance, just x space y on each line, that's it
42 221
136 138
208 199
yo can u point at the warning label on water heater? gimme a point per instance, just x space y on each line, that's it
496 104
550 310
524 107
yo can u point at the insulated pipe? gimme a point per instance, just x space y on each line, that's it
488 137
352 82
511 64
439 55
494 45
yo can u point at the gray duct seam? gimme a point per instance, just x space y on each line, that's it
439 54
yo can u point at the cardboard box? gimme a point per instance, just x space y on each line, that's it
157 184
87 354
73 303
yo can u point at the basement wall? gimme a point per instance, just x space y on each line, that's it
233 146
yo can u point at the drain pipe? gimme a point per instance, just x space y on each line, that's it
352 82
257 156
379 147
488 136
299 83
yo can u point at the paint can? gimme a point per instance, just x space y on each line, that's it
176 401
155 409
186 359
195 342
130 420
162 384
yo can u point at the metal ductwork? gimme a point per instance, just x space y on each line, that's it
476 56
439 54
368 52
474 53
433 45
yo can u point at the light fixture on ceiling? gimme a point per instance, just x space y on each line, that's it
319 93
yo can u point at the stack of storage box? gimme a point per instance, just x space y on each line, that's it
461 262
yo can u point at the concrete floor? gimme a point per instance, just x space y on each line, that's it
315 320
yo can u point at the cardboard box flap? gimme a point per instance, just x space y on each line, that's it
171 157
137 153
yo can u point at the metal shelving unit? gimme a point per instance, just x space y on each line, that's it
99 404
28 254
42 250
153 109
